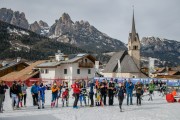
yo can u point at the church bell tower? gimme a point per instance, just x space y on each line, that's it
134 44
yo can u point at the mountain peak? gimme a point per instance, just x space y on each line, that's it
43 24
14 17
65 18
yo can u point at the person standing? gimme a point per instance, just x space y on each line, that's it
41 96
14 95
55 90
83 93
2 95
129 90
121 92
76 92
34 92
19 94
151 90
24 93
91 93
65 96
103 90
111 90
138 88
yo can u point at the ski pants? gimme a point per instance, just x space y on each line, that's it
24 98
82 98
35 99
1 101
91 98
54 97
138 95
41 98
120 98
129 95
76 95
111 99
103 98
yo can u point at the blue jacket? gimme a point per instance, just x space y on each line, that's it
91 88
42 91
34 89
129 88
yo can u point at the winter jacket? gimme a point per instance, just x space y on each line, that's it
91 88
55 90
151 87
111 88
34 89
129 87
120 91
103 89
2 89
76 88
41 91
139 88
14 90
23 88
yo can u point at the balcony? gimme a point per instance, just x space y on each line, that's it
86 65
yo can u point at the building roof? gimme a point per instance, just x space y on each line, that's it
11 64
127 64
24 74
72 60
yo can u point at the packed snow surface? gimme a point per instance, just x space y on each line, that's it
158 109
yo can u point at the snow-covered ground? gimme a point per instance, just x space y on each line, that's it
158 109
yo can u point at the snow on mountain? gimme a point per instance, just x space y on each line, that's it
18 32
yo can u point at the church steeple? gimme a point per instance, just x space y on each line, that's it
134 44
133 31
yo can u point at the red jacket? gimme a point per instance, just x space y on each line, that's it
76 88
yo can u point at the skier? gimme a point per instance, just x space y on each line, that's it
151 90
103 90
14 95
2 95
111 90
120 93
138 88
41 96
54 100
129 90
76 92
24 93
34 92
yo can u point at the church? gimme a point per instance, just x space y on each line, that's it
126 64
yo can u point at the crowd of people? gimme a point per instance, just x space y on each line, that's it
83 91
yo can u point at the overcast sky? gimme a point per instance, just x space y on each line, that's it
159 18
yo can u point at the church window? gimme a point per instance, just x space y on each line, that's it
135 47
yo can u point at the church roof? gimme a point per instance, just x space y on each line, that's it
127 63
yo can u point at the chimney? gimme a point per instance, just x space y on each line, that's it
59 56
18 59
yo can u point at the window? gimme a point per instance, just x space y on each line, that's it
42 71
89 71
133 76
78 71
65 71
85 60
135 47
46 71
